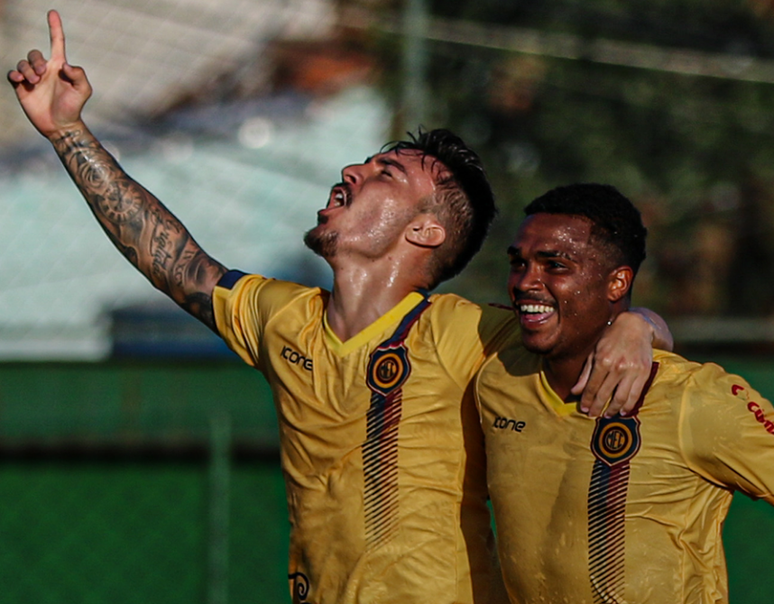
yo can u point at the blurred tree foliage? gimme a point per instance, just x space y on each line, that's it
695 154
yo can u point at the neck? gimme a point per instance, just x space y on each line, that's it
563 371
562 374
363 294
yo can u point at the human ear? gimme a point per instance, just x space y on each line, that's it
619 283
426 231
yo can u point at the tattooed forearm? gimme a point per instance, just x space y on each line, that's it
160 251
140 226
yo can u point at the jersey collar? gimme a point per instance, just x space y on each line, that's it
391 317
555 402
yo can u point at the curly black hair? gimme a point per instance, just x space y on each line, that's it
616 223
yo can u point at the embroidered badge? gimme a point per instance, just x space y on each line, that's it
616 439
388 369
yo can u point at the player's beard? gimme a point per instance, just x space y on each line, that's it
324 243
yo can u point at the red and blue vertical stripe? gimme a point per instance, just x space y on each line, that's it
388 370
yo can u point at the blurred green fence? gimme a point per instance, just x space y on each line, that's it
133 482
158 482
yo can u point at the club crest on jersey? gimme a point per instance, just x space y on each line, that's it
388 369
616 439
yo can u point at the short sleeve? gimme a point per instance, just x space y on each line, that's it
235 303
728 432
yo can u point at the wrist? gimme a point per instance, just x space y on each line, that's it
68 131
645 320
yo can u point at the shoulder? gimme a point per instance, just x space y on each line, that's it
485 319
674 369
237 283
255 299
709 398
725 427
460 333
454 303
705 379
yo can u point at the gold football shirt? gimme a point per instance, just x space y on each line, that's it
381 446
625 510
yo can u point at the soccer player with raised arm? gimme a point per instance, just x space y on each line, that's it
381 447
617 509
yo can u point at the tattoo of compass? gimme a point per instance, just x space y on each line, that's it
121 204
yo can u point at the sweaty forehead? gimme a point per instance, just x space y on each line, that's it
556 225
554 232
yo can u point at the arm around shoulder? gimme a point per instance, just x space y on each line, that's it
662 336
621 363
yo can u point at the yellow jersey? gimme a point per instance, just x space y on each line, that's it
621 510
381 447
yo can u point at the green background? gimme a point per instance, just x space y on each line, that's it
105 486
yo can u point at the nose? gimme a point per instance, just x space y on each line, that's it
524 279
352 174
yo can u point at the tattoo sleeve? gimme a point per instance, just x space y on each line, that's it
140 226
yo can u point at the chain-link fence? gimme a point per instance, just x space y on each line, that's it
132 482
142 479
145 479
240 114
95 531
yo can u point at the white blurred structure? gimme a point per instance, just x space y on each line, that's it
142 55
245 175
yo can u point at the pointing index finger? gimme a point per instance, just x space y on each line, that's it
57 36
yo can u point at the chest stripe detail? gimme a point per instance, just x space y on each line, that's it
607 503
388 369
615 442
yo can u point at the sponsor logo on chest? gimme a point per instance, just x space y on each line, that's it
296 358
508 424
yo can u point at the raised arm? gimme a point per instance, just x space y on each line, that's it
52 94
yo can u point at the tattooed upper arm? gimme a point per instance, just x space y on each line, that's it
140 226
198 274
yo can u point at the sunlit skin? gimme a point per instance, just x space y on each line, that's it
368 211
564 291
376 237
379 243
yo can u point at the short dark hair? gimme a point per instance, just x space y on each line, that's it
464 202
616 223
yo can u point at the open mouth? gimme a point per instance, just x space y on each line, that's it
340 196
533 309
534 313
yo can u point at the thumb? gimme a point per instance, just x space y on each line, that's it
77 77
583 379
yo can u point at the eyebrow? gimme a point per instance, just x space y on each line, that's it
387 161
513 251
